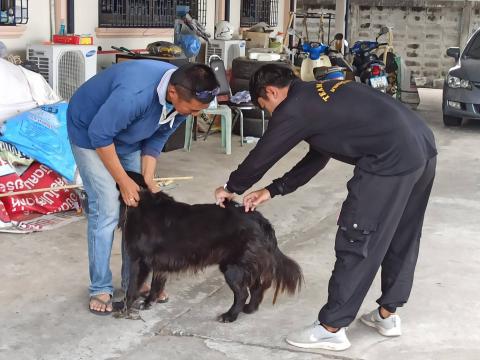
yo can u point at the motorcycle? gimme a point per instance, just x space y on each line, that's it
367 55
367 64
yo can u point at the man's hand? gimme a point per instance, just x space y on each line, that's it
252 200
221 195
129 190
152 186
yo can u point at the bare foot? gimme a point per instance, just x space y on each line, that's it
101 302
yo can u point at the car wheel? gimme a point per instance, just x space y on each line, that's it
452 120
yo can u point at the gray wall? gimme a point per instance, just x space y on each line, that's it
423 30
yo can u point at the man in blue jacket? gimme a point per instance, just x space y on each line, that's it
119 121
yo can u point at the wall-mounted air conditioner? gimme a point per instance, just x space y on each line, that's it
65 67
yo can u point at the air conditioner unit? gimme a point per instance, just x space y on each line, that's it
226 49
65 67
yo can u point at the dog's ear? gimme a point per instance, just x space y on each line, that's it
138 178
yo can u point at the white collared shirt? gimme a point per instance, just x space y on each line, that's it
162 98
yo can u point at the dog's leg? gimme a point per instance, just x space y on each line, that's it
158 284
133 286
234 276
143 272
256 296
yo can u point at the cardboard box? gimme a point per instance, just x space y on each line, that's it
256 39
73 39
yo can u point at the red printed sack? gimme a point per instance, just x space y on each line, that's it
36 176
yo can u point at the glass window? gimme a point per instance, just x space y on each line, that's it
473 47
255 11
146 13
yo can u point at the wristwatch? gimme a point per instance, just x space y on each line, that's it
226 188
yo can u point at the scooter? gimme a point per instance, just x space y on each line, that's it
317 57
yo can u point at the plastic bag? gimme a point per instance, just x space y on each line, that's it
190 45
41 134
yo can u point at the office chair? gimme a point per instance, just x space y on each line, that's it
224 109
218 67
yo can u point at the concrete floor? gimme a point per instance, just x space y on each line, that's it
43 292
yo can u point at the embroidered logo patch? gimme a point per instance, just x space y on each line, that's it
325 94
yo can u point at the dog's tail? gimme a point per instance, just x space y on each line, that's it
288 275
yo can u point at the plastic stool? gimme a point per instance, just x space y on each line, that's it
226 114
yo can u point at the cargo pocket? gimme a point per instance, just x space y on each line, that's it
354 235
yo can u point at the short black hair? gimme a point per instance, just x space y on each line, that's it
193 78
278 75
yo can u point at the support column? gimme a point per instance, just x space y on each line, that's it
340 12
60 14
465 24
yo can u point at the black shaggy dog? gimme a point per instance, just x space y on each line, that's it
163 235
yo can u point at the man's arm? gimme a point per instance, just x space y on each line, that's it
116 114
149 164
300 174
128 188
154 144
282 135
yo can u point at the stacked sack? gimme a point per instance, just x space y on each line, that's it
35 154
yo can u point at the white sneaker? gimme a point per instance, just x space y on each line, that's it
391 326
317 337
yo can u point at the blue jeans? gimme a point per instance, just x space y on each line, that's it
103 213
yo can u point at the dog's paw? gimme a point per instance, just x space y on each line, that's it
247 309
138 304
227 317
147 305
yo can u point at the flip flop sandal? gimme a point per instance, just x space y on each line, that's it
106 303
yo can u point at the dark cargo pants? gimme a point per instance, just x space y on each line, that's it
380 225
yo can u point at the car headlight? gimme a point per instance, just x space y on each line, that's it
456 83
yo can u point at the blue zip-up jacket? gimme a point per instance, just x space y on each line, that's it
121 105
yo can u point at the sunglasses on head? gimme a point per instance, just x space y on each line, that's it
205 94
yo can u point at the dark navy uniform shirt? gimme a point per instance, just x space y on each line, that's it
344 120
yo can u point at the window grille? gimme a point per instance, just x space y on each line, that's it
146 13
255 11
13 12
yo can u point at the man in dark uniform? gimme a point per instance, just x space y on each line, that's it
381 220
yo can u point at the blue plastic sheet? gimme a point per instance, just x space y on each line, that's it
41 133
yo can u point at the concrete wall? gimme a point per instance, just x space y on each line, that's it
423 30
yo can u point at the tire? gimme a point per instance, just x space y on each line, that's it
239 85
243 68
451 120
251 127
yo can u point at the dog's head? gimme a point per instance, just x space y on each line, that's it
140 180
